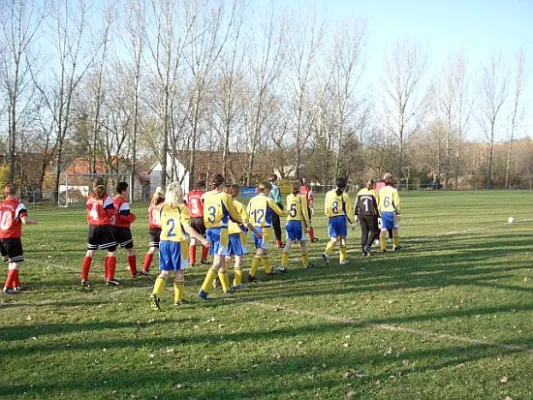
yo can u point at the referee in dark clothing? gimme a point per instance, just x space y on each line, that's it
367 214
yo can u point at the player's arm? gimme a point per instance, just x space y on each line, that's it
109 208
272 204
23 215
305 213
397 202
347 205
125 215
186 223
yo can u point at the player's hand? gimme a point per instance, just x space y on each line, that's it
353 225
205 242
312 211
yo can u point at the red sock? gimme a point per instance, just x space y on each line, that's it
147 261
192 254
9 279
111 264
205 252
106 269
16 279
311 233
85 267
132 261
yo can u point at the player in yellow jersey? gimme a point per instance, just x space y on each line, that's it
237 237
389 208
338 209
218 210
260 210
297 225
173 246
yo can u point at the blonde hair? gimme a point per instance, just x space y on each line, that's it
174 195
99 190
296 186
263 187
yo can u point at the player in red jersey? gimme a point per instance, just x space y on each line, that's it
195 203
12 215
100 210
154 227
308 193
122 221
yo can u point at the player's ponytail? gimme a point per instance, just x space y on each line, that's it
341 186
217 181
296 186
174 195
99 188
264 187
370 184
158 197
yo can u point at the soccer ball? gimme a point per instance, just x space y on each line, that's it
510 220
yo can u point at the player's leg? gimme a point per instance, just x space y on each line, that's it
276 224
285 255
180 263
311 230
237 270
192 252
363 223
155 236
132 258
305 256
92 246
200 228
166 265
395 239
343 254
218 242
373 234
15 257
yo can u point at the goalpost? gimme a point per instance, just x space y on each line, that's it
76 187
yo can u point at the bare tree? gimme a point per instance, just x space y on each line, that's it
19 24
515 117
494 88
401 84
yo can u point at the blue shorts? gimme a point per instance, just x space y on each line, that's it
219 240
235 246
387 220
295 231
262 243
173 255
338 226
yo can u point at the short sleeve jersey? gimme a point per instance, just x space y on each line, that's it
195 202
11 213
234 228
389 200
173 220
99 211
366 203
297 208
218 209
260 210
335 205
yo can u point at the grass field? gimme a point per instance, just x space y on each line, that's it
448 317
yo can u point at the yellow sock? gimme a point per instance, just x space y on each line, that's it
266 265
329 248
255 265
224 280
179 287
305 260
208 281
383 242
237 277
284 259
395 241
159 286
342 256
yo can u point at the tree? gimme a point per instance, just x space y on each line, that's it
494 87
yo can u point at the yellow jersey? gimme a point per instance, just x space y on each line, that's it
219 209
234 228
260 210
335 206
173 220
388 200
297 208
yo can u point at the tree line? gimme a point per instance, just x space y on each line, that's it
146 79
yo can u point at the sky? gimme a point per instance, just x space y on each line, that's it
443 28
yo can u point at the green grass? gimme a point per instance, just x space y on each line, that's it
451 317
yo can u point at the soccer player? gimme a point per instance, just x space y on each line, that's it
122 221
219 209
12 215
260 209
366 212
195 202
389 208
308 193
237 237
297 225
173 247
100 210
338 208
276 196
154 227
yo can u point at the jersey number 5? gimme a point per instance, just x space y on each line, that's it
292 210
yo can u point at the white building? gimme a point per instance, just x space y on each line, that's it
176 172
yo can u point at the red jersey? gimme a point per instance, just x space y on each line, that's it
308 193
99 212
123 217
11 213
154 216
195 203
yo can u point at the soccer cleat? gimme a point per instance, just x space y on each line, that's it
85 284
383 250
10 291
309 266
364 254
241 286
325 257
315 239
252 279
205 262
203 294
231 290
193 265
280 244
368 250
344 262
112 282
155 302
180 303
142 273
283 269
21 288
397 248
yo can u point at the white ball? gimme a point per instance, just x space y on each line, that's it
510 220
